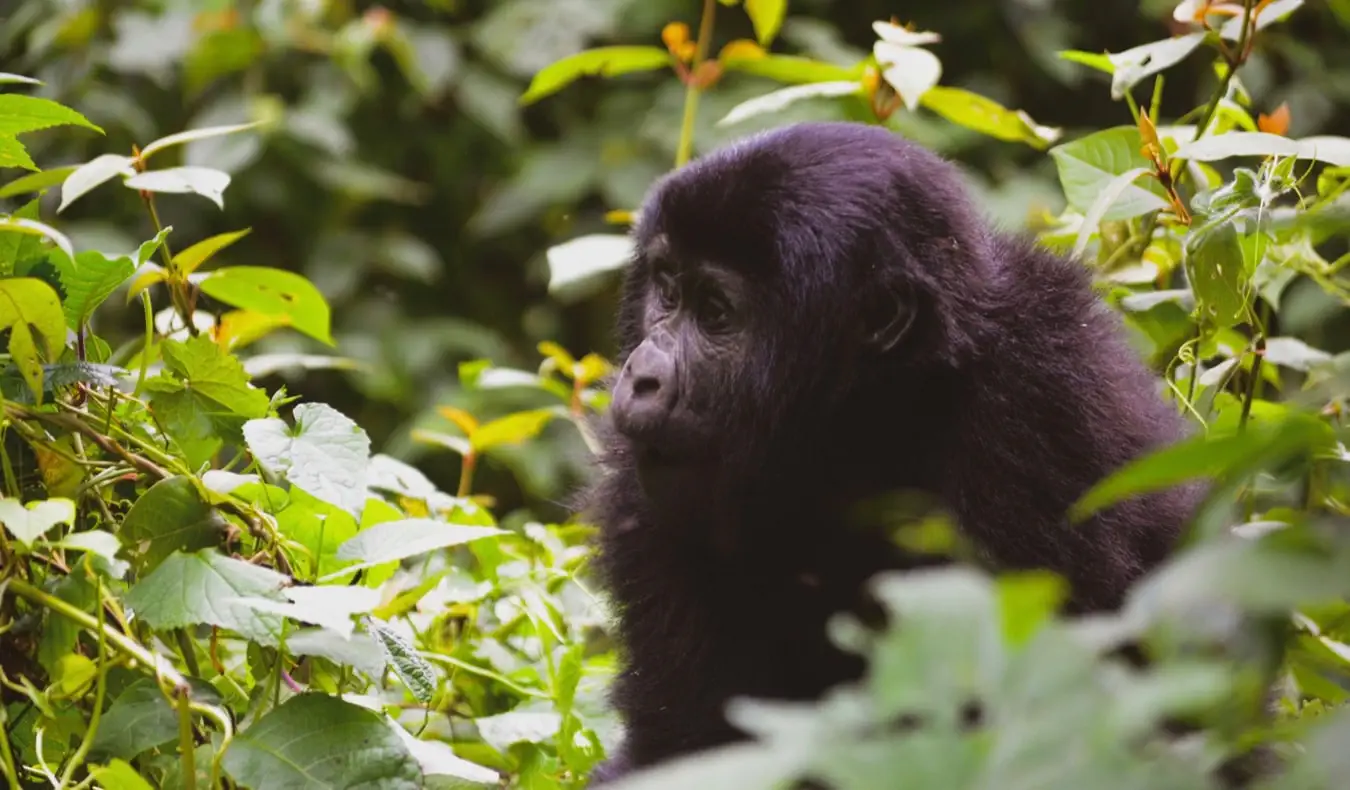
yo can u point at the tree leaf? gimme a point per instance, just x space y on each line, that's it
397 540
19 114
139 719
188 179
27 303
190 259
170 516
411 668
1087 165
603 61
273 292
767 18
325 454
13 154
1214 265
1109 195
585 257
192 589
118 775
1138 63
209 371
987 116
315 741
32 227
776 101
36 182
92 173
29 522
193 135
511 429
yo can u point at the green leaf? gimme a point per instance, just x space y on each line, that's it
511 429
1102 204
99 543
188 179
411 668
1100 61
767 17
273 292
118 775
325 454
31 227
791 69
27 303
29 522
315 741
320 528
361 651
1325 148
89 280
329 606
169 517
1264 443
987 116
397 540
1214 264
13 154
92 173
36 182
1087 165
193 257
776 101
211 372
19 114
192 135
11 79
1290 352
73 676
139 719
194 589
437 759
603 61
1139 63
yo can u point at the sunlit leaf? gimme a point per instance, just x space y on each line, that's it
987 116
1087 165
31 227
397 540
1138 63
92 173
29 522
36 182
778 100
19 114
604 62
26 304
13 154
585 257
767 17
273 292
194 589
193 257
326 454
910 70
205 181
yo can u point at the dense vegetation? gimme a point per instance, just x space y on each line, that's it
304 310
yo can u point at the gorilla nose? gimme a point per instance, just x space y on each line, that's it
645 393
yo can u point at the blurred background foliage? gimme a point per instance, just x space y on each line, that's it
406 180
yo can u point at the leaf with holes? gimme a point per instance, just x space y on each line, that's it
273 292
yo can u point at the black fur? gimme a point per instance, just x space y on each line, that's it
1012 394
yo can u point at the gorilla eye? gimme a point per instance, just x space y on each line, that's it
714 311
667 291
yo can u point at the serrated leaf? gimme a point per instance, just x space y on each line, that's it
19 114
1087 165
776 101
27 303
603 61
139 718
325 454
188 179
273 292
193 589
170 517
193 257
315 741
92 173
29 522
13 154
411 668
767 18
212 373
89 280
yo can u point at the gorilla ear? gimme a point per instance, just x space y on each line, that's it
889 316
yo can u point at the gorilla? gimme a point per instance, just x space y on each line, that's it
815 317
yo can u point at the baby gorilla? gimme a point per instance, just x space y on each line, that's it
817 317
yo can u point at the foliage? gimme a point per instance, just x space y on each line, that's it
208 581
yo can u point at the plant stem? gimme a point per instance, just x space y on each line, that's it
121 641
100 691
1232 63
692 91
176 284
470 460
186 744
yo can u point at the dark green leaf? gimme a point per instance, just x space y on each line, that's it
170 517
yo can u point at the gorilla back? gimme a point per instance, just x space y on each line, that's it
815 317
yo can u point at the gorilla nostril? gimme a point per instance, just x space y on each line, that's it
644 386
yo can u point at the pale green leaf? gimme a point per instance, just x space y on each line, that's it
92 173
325 454
29 522
188 179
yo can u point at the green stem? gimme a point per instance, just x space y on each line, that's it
692 91
1232 64
100 691
186 744
7 758
176 284
121 641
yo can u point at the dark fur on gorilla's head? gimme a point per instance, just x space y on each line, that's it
1004 392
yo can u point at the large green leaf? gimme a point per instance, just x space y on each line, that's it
92 277
19 114
314 741
396 540
139 718
604 61
326 454
273 292
194 589
170 517
1214 264
1087 165
207 370
27 303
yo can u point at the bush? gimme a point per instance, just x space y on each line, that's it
207 583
